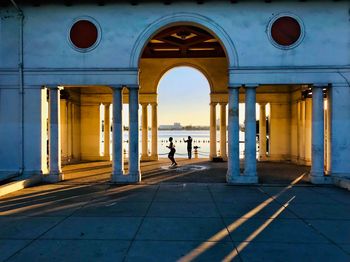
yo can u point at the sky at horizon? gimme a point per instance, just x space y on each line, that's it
183 97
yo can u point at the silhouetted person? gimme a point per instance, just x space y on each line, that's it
189 146
172 152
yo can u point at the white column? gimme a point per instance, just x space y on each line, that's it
262 132
302 132
144 155
55 172
117 138
69 131
63 130
317 166
107 134
233 169
329 132
223 130
298 131
308 130
250 135
134 159
212 130
154 151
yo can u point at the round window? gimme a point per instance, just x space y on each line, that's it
84 34
285 31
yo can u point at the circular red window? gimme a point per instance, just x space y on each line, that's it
84 34
285 31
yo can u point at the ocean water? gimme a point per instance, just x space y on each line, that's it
200 138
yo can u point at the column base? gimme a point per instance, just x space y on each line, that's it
242 179
250 174
145 158
262 158
154 158
308 162
231 175
320 179
126 179
53 178
224 158
211 158
343 182
106 158
217 159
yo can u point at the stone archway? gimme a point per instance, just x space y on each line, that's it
184 19
185 44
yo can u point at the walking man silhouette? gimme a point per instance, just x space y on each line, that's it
189 146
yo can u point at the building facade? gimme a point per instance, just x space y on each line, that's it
60 62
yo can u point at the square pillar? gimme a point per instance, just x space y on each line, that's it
308 130
262 132
212 131
250 173
317 175
134 158
107 133
154 149
55 171
223 131
329 132
144 154
302 132
117 138
298 131
64 129
233 164
69 131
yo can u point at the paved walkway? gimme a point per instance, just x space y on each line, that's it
97 221
188 171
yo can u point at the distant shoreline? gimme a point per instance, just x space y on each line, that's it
178 129
184 129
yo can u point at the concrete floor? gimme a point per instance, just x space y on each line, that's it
188 171
91 220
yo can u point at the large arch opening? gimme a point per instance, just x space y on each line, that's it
183 92
171 50
184 96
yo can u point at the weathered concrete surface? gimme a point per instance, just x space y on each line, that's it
188 171
168 222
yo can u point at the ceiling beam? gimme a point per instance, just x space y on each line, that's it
198 45
188 54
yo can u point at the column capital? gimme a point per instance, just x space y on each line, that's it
144 104
235 86
53 87
222 103
132 86
213 103
319 85
117 87
106 104
322 85
262 103
153 104
250 86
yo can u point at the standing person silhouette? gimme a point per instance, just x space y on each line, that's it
172 152
189 146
